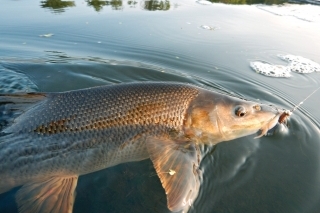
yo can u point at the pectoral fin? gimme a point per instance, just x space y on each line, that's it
177 165
55 195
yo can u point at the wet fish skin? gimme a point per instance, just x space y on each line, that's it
60 136
96 121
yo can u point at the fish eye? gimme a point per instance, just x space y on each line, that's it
240 111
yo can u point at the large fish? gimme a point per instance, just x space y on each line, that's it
55 137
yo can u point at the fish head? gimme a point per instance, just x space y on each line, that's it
213 118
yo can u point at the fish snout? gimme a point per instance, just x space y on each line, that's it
283 114
271 108
278 116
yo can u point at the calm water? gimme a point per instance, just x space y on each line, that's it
65 45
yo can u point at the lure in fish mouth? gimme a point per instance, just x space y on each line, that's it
50 139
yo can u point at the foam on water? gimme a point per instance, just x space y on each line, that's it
300 64
46 35
204 2
270 69
295 64
206 27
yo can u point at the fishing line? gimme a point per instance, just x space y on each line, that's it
294 108
287 113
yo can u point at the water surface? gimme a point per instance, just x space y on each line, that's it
64 45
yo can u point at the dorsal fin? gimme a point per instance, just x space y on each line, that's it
55 195
177 165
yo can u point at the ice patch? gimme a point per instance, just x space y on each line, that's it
300 64
270 70
309 13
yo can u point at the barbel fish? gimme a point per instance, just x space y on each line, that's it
50 139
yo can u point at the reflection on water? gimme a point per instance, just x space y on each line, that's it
156 5
57 6
98 5
132 3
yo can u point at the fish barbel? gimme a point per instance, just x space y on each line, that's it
53 138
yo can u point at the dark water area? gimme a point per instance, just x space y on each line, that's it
53 45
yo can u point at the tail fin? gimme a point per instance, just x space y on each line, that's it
13 105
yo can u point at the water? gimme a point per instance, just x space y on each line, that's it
65 45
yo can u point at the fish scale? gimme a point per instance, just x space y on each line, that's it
48 139
83 122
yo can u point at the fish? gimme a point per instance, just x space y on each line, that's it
48 140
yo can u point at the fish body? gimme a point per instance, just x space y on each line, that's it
56 137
